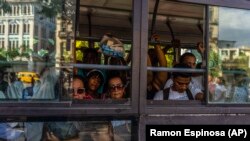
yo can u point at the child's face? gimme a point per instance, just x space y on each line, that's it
94 82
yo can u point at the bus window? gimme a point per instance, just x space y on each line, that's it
175 37
228 80
103 49
33 53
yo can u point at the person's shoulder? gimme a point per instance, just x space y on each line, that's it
159 95
168 83
194 79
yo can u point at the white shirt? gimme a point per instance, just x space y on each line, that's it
173 95
194 86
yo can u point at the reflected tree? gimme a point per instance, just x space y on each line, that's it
50 8
214 63
5 6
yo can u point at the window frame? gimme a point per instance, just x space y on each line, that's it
185 107
102 108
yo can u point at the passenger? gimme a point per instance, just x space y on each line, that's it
155 81
194 86
78 89
95 79
116 88
179 90
91 56
3 84
89 130
124 74
188 59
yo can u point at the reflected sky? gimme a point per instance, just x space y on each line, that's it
234 25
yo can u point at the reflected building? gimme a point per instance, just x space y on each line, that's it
232 56
227 49
24 27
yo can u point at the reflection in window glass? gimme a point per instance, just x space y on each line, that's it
104 38
228 80
31 56
115 130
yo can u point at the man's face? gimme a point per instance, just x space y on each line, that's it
190 61
181 83
116 88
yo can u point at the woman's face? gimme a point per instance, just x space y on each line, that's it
116 88
78 88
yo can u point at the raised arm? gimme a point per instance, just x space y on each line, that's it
160 77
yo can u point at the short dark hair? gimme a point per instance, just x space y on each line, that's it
181 74
183 56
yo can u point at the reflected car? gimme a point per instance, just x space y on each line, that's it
27 76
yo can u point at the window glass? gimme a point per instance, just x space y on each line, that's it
228 79
114 130
31 56
103 49
175 37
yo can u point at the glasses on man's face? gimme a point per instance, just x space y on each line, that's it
116 87
78 91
